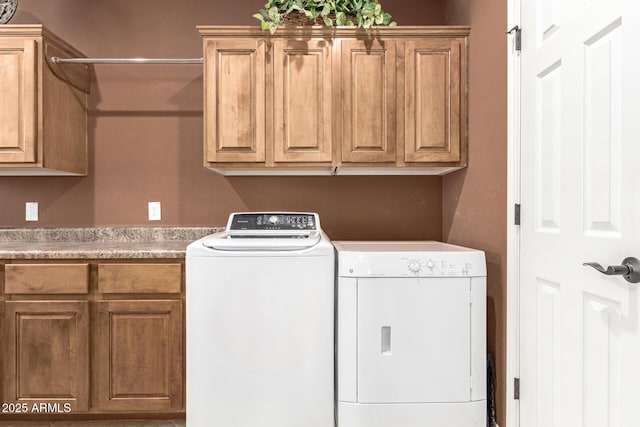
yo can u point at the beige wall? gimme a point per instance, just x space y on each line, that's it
145 134
474 200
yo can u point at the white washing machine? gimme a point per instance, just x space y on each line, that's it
260 324
411 348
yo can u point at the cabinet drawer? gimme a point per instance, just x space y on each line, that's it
46 278
139 278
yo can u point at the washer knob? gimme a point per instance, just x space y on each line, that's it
431 264
414 266
273 219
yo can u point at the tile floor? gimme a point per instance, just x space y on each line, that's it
93 423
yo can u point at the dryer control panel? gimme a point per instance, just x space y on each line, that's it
273 221
408 259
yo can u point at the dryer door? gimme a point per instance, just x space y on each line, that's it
414 340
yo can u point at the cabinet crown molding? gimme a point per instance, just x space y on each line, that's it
332 32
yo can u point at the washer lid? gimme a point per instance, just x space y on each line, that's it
262 241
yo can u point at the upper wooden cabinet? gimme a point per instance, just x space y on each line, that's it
335 100
301 105
433 101
368 107
234 78
43 106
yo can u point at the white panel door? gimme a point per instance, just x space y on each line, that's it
580 196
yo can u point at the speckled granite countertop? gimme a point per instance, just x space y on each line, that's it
99 242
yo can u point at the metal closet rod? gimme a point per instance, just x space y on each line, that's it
57 60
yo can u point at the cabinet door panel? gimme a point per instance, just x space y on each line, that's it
433 100
302 101
139 355
47 357
18 105
369 101
234 100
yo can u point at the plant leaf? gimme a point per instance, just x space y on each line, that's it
368 10
274 13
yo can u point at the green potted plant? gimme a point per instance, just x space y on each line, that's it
358 13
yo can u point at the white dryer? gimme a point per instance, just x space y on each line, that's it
411 348
260 324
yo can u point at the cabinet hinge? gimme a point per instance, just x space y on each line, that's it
516 388
516 214
517 32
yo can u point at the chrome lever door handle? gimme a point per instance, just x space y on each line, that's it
630 269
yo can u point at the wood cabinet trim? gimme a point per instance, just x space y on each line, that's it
400 31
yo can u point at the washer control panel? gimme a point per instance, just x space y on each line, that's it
273 221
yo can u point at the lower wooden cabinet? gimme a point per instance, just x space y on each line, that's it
46 354
138 364
92 338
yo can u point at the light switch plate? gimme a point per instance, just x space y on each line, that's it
155 211
31 211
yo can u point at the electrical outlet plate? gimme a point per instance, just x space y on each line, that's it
155 211
31 211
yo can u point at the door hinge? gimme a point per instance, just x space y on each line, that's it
516 388
516 212
517 32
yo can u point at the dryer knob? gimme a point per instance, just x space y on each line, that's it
273 219
414 266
